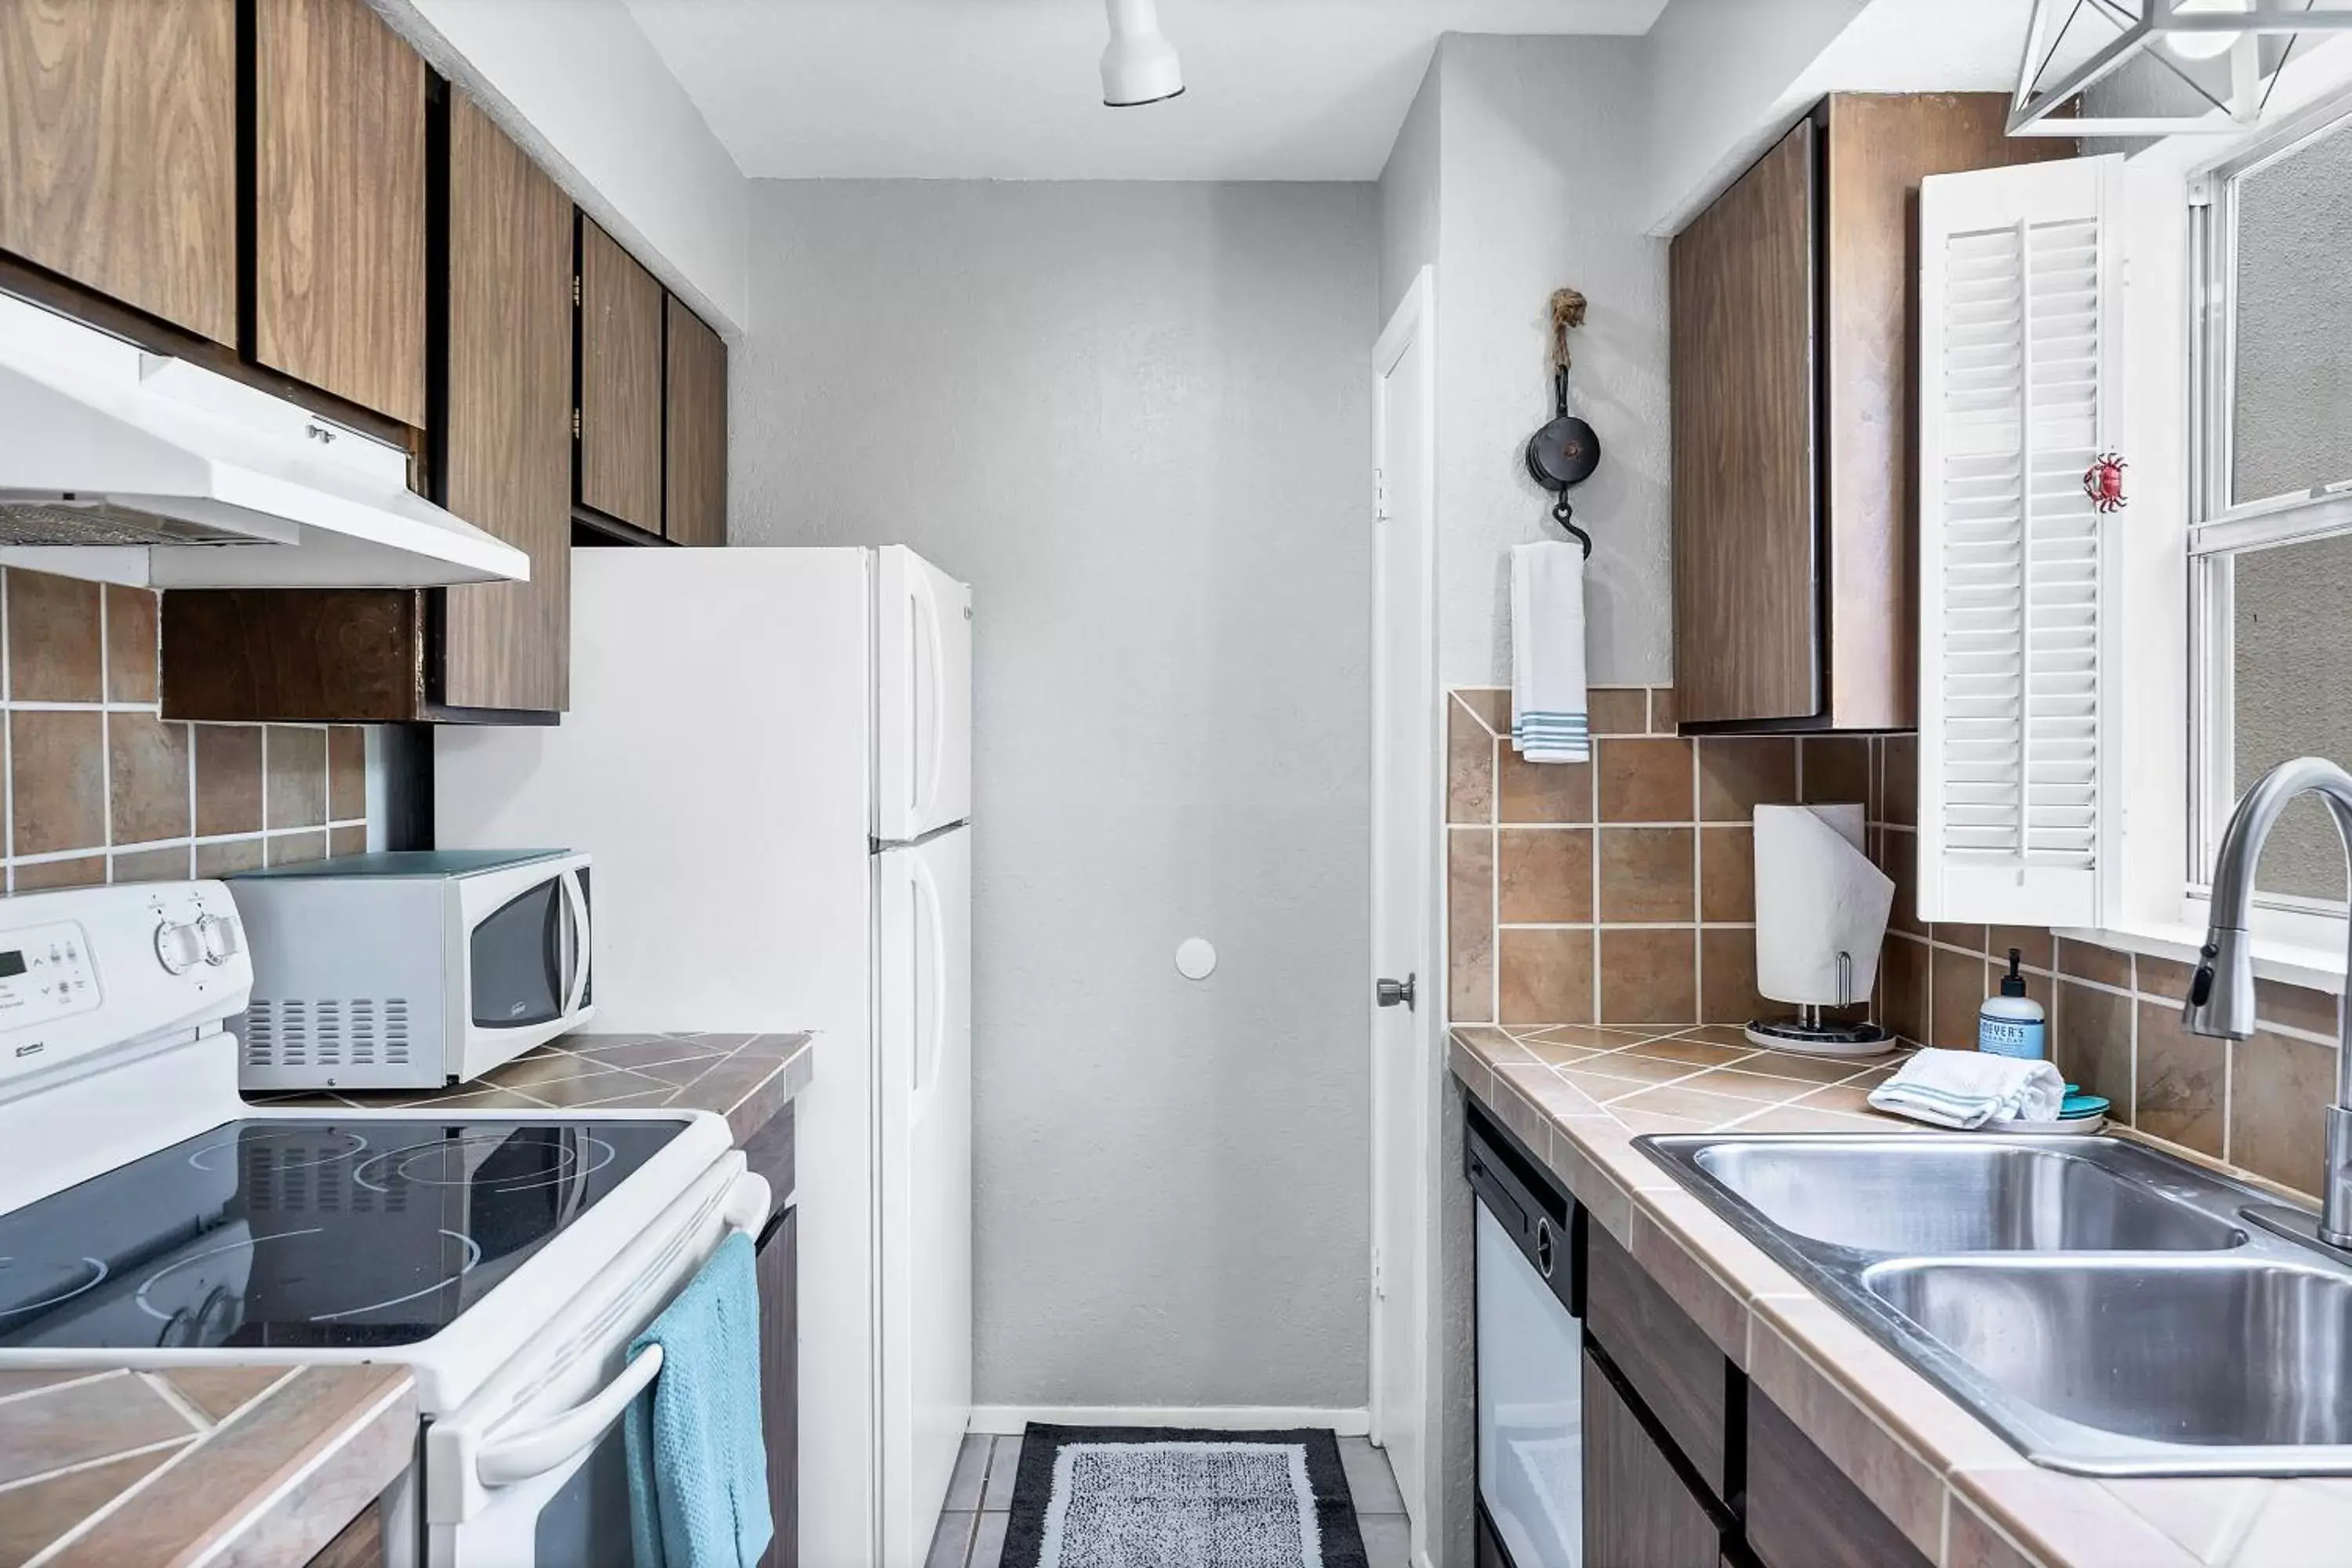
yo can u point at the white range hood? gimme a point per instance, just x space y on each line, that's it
119 463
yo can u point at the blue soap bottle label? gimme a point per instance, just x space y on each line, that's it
2011 1036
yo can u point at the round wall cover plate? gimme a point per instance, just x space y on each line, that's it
1195 959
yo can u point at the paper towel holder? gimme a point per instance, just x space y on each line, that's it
1812 1034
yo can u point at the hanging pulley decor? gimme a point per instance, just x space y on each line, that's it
1565 451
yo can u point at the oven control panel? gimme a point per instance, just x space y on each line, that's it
88 969
45 971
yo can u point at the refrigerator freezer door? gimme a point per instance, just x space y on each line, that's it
923 979
922 665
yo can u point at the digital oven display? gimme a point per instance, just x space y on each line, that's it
11 965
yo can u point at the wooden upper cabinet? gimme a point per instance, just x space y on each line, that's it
1795 492
1741 389
507 449
621 318
118 151
338 199
694 508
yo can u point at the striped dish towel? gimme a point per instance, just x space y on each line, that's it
1548 722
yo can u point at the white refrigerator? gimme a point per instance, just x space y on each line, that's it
768 758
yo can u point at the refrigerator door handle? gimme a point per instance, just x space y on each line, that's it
929 707
929 973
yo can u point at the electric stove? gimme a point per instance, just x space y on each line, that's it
287 1233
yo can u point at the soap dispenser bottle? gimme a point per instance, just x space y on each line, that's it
2011 1023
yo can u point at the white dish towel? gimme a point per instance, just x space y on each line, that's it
1549 718
1969 1089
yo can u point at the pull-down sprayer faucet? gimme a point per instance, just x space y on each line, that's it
2222 996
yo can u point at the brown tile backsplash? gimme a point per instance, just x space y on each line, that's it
1648 918
99 784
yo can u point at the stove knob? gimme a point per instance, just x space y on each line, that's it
178 947
220 937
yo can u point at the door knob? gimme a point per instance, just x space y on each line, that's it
1391 992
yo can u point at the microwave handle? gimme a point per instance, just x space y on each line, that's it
558 1441
576 979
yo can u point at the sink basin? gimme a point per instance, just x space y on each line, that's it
2108 1308
1908 1195
2208 1350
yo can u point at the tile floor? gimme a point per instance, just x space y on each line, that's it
971 1531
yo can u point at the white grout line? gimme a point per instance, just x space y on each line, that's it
185 1440
161 1387
52 1387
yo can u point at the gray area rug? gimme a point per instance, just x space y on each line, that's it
1163 1497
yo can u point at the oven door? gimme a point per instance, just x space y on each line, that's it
526 951
531 1470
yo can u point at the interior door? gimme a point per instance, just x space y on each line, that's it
1404 761
922 698
923 965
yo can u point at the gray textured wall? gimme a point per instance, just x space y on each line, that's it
1408 195
1540 185
1137 418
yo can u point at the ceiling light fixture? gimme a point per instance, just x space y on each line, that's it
2227 52
2206 45
1138 65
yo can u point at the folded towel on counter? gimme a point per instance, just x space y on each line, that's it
698 1462
1550 722
1970 1088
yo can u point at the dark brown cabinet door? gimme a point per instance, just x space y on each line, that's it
507 453
1741 374
339 229
694 508
1637 1512
620 457
118 151
779 1273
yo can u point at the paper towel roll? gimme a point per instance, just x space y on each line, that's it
1817 896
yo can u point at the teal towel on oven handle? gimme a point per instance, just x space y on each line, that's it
698 1461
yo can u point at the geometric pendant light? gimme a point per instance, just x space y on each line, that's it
2218 55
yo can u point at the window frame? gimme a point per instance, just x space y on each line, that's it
2219 530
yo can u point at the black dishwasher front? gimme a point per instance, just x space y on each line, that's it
1531 1259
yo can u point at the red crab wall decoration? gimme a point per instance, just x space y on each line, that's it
2104 483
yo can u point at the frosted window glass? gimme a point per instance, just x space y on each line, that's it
2293 388
2293 671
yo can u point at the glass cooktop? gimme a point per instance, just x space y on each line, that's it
303 1234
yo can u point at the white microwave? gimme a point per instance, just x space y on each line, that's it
412 968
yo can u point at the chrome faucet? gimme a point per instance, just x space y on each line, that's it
2221 996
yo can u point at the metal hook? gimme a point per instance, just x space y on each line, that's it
1560 513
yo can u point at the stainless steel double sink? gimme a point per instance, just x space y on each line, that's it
2107 1309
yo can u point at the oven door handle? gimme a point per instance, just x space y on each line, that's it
558 1442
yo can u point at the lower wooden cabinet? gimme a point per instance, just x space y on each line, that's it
1638 1513
780 1380
1803 1512
359 1545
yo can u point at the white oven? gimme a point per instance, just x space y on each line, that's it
529 1472
411 970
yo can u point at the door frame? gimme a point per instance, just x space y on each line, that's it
1415 322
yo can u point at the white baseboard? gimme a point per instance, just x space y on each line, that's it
1007 1420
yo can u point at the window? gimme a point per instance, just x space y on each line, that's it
2270 535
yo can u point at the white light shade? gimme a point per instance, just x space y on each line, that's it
1138 65
2205 45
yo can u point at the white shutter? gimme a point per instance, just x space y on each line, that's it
2021 280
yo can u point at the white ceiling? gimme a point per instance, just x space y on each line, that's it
1276 90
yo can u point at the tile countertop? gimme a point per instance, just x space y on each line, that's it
1579 1095
747 1078
218 1465
112 1468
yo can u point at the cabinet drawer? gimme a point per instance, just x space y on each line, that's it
1803 1512
1670 1362
1638 1513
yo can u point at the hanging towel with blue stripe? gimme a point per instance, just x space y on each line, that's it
1548 719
